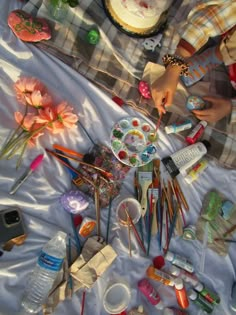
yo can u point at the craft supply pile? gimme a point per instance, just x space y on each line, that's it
155 213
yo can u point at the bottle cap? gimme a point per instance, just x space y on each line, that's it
204 123
169 256
168 311
199 287
140 309
207 144
93 37
159 306
192 295
179 284
175 270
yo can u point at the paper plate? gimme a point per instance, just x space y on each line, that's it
133 141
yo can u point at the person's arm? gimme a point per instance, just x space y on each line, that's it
233 112
206 20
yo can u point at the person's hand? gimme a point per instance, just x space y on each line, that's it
220 107
163 89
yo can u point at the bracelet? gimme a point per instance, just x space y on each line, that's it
175 60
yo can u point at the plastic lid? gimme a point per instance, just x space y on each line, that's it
159 306
199 286
207 144
169 256
204 123
61 234
169 129
175 270
192 294
116 298
179 284
140 309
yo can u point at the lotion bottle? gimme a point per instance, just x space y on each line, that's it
151 294
182 160
160 276
179 261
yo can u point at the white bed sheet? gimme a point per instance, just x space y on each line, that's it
39 196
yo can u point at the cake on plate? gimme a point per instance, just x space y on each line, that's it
138 17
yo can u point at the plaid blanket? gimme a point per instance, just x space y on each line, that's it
116 64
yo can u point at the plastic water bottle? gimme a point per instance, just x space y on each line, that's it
47 268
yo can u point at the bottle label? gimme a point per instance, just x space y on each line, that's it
210 297
49 262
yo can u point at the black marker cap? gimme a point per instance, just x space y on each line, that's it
206 144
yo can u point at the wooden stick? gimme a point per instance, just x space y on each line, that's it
181 194
177 200
170 210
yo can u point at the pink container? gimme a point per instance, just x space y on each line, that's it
151 294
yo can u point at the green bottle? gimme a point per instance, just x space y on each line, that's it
200 301
211 297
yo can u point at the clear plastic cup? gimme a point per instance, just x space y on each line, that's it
132 206
116 298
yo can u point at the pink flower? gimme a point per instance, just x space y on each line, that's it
28 121
36 99
46 115
65 115
57 118
28 85
29 125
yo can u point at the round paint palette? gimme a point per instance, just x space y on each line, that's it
133 141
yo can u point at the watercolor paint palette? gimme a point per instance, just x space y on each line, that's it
133 141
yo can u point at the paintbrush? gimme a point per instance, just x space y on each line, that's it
172 228
97 206
129 236
169 205
154 134
177 201
230 230
224 240
145 181
180 193
109 216
103 172
135 232
137 191
83 303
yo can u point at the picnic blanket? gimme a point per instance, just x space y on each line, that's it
116 64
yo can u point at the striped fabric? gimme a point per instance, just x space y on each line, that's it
117 62
209 19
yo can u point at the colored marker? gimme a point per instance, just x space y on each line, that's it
36 162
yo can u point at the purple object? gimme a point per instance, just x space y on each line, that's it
74 201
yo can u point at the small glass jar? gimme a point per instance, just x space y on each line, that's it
58 9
